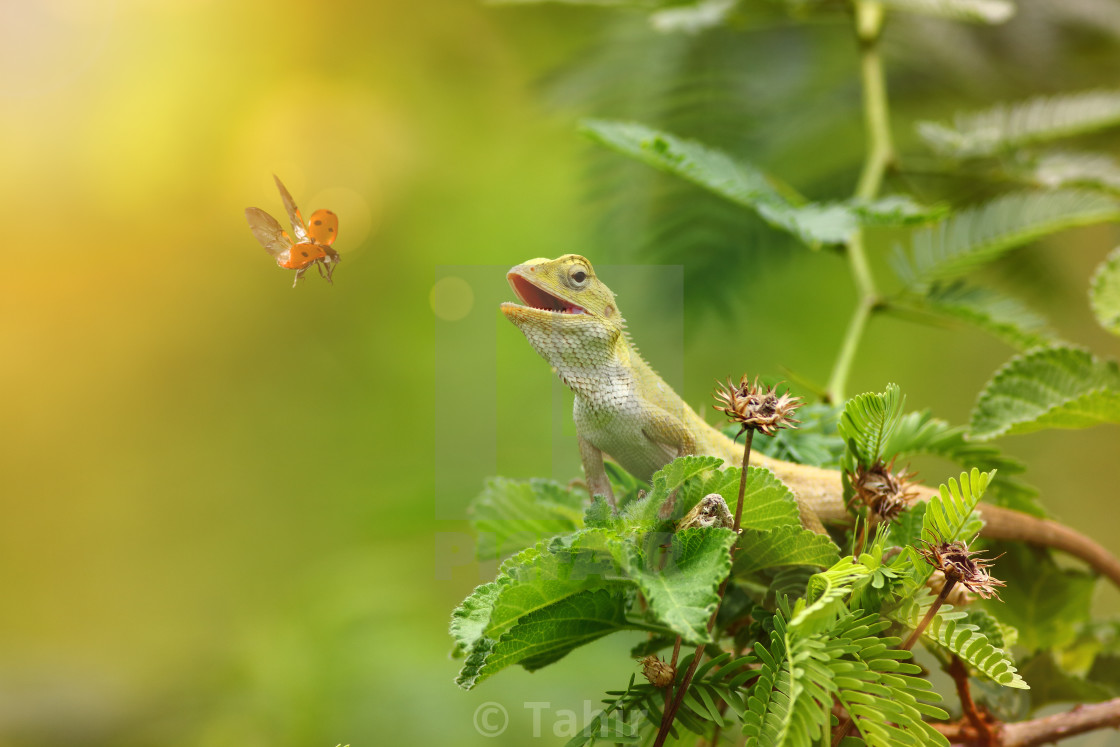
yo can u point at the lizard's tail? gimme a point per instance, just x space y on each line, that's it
1008 524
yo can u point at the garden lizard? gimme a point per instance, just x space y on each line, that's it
625 410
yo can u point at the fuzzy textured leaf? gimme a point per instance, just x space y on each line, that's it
546 635
532 580
1058 387
1035 120
1104 293
783 546
684 593
979 235
1003 316
510 515
732 179
645 512
976 11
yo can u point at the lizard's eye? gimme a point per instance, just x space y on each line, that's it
579 276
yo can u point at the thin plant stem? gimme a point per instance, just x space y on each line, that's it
933 608
880 155
671 709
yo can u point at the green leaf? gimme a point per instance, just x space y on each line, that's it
644 514
949 514
1005 317
546 635
510 515
1104 293
683 594
694 17
951 631
532 580
1035 120
973 237
734 180
1058 387
1045 603
921 433
824 593
976 11
867 423
895 210
1072 169
782 546
1052 684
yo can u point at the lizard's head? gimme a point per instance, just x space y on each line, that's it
566 309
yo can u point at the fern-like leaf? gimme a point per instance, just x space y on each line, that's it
1104 294
730 178
1058 387
976 11
867 422
951 631
1073 169
1035 120
974 237
949 514
986 309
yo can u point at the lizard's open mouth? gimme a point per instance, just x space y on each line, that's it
539 299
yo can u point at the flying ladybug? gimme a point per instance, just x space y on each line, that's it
313 239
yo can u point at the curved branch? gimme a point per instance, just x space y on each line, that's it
1081 719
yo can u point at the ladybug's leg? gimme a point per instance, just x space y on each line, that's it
299 274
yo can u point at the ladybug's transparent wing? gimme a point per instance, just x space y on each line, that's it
298 226
268 231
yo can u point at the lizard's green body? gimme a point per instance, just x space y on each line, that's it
625 410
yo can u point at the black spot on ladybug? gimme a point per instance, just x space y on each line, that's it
304 253
318 222
331 230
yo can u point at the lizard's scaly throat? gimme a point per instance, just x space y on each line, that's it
540 299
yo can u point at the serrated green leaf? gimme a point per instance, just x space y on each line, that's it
1035 120
510 515
682 586
976 11
1003 316
783 546
732 179
1104 292
973 237
644 514
546 635
1058 387
531 580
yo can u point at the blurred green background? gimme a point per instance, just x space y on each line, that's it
233 510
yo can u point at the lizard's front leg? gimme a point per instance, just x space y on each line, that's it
594 471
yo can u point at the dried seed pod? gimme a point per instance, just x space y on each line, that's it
962 565
711 511
882 490
658 672
757 407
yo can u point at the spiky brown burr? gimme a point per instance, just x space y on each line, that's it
757 407
884 491
963 566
